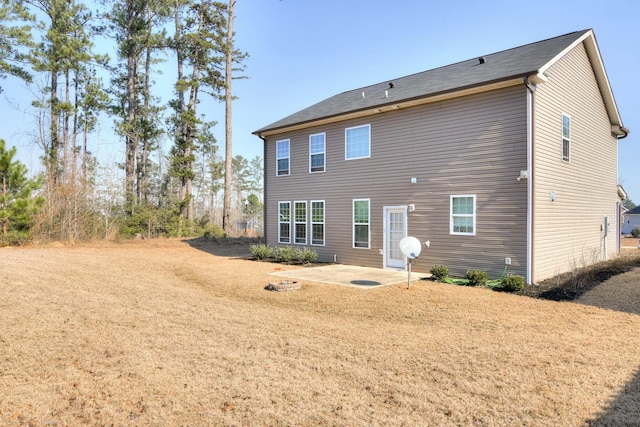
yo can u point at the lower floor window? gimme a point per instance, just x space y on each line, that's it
361 223
463 215
301 223
292 218
317 222
284 222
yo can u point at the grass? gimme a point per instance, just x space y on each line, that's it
167 333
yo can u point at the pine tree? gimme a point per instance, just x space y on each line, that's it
137 26
12 37
198 43
17 205
233 61
158 14
64 54
129 25
228 126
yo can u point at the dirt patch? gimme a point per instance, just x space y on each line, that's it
169 332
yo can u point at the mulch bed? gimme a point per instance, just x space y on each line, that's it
572 285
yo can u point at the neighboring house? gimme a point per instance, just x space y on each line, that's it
630 220
506 158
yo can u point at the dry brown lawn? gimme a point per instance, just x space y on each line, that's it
167 333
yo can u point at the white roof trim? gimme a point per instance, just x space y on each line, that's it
555 59
591 46
622 193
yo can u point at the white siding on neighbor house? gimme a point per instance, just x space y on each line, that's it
472 145
629 223
567 230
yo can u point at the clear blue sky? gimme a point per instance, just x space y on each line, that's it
303 51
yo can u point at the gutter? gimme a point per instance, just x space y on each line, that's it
620 131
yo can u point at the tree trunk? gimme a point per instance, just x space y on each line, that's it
74 135
193 107
85 136
55 142
228 159
130 140
181 108
5 231
65 127
142 185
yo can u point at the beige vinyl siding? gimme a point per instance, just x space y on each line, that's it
567 231
473 145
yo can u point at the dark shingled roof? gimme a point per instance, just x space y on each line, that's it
508 64
634 211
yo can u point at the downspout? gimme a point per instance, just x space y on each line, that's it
264 189
625 133
531 88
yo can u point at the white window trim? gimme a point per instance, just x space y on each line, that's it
296 222
353 224
346 151
568 159
474 215
279 158
324 152
324 222
283 222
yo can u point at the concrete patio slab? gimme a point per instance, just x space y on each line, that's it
350 275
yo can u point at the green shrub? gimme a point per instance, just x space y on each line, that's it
15 238
477 278
511 283
439 273
284 254
261 251
213 231
306 255
636 233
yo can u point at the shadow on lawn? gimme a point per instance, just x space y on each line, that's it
224 246
624 410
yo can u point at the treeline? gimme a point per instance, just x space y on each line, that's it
183 190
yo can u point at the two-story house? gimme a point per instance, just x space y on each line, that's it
630 220
507 158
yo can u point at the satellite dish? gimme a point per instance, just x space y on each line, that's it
410 247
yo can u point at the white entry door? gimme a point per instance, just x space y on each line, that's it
395 221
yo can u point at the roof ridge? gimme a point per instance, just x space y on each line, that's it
464 60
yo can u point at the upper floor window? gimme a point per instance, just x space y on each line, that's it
361 223
282 157
316 152
358 142
566 137
284 222
463 215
